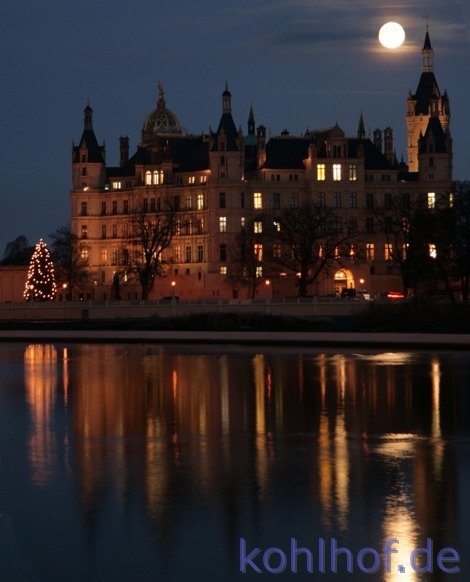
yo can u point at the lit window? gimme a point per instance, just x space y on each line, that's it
431 200
352 172
336 172
370 251
259 272
223 224
432 251
321 172
406 246
84 254
104 256
191 180
116 185
242 222
148 178
200 201
223 269
451 200
321 251
257 200
337 251
388 252
258 251
157 177
277 226
114 260
203 179
84 231
177 254
258 226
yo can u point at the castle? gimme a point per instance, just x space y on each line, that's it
226 181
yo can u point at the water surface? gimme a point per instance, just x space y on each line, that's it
149 462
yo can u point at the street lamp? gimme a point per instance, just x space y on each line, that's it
173 283
64 292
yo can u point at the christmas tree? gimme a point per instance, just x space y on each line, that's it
40 285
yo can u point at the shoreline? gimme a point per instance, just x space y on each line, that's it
415 340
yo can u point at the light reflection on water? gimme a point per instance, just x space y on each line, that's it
146 462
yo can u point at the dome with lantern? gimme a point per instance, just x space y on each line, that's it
161 121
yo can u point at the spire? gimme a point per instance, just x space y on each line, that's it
226 100
88 116
427 53
251 121
361 130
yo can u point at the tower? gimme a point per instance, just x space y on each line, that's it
426 102
88 157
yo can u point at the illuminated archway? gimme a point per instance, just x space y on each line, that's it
343 279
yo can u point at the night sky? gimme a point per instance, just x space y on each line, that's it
302 64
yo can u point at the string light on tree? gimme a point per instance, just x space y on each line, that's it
40 285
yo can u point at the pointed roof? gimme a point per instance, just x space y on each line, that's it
227 127
88 141
435 132
427 89
427 53
361 130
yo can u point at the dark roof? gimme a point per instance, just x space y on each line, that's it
89 141
187 153
434 132
427 89
427 42
227 126
374 159
287 152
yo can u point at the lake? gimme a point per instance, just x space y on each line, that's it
150 462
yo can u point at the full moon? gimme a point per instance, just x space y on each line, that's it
391 35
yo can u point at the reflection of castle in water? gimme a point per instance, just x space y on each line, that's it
40 365
183 432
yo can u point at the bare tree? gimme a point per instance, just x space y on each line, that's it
71 266
150 234
246 256
307 240
412 229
